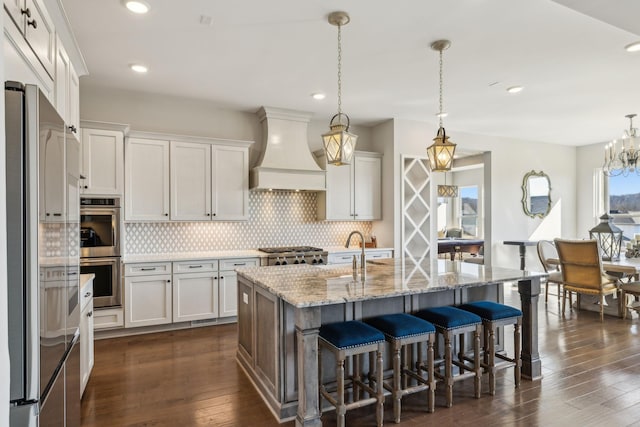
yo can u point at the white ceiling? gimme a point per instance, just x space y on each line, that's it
579 81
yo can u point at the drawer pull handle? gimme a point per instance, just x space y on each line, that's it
89 314
221 277
148 269
240 263
33 23
195 266
87 295
26 11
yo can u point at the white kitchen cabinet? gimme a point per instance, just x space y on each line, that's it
108 318
67 91
52 200
209 182
102 162
33 22
147 300
146 180
354 192
190 181
228 283
195 296
86 334
20 62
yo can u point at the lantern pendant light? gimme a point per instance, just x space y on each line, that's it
441 152
339 143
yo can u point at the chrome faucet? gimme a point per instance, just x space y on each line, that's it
363 261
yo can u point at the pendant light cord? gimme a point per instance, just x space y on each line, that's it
440 114
339 71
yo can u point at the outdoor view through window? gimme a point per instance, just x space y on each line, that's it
624 203
469 210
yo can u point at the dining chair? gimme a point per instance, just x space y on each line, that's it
547 251
582 272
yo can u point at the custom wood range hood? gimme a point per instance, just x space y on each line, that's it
286 163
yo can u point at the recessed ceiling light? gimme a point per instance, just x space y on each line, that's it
137 6
633 47
139 68
318 95
514 89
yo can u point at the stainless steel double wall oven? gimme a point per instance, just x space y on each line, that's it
100 248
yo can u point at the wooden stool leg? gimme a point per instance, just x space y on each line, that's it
397 396
448 374
461 352
431 396
379 387
340 406
486 346
516 346
356 377
476 361
492 358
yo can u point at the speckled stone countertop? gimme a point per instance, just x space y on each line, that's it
184 256
306 285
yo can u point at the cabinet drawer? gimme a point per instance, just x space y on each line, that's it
148 268
379 254
86 294
108 318
232 264
195 266
343 257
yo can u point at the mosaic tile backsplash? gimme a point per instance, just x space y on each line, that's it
275 219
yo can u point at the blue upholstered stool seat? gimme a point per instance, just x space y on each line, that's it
449 317
350 334
352 339
401 325
490 310
495 315
450 322
402 331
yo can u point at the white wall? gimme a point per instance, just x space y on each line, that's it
589 159
510 161
4 321
183 116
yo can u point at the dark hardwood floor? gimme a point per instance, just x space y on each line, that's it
190 378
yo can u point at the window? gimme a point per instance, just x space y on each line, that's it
624 203
468 197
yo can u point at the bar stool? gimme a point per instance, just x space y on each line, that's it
451 321
400 330
346 339
494 315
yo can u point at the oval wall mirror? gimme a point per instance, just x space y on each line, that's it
536 194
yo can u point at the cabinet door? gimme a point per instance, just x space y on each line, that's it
73 103
230 183
228 293
86 345
190 181
62 81
147 300
40 34
195 296
102 161
367 188
15 10
146 180
339 194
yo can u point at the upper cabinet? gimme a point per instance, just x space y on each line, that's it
354 192
146 180
209 182
102 161
181 178
67 90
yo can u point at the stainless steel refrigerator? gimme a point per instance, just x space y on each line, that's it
43 261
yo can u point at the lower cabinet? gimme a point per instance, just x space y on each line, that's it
184 292
86 334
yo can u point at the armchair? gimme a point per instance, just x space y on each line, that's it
582 272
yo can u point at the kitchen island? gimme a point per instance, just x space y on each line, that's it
281 309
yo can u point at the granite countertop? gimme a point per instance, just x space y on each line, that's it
306 285
84 278
184 256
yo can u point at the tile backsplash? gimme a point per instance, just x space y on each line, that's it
276 218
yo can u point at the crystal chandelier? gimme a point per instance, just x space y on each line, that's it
441 152
622 160
339 143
